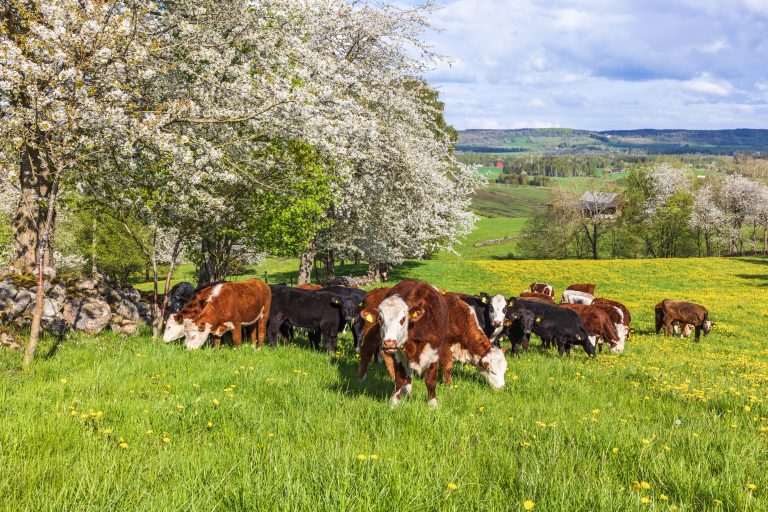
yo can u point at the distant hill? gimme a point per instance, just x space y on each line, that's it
566 140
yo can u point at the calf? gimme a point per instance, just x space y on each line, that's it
518 326
538 297
413 320
176 323
577 297
229 307
466 342
685 313
598 322
583 287
315 310
561 326
353 297
544 289
371 340
490 313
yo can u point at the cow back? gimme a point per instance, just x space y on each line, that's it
583 287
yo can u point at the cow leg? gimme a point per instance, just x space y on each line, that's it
526 342
237 335
446 361
430 378
560 348
314 339
668 327
400 380
389 362
568 349
261 325
698 334
216 341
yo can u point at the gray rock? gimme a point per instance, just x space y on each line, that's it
126 310
7 291
56 325
51 308
8 342
46 287
131 294
88 315
20 303
87 283
58 293
125 328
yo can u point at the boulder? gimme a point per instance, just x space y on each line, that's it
20 303
86 283
88 315
58 293
123 327
55 325
126 310
7 291
46 287
7 341
130 294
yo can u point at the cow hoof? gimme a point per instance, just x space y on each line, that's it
432 402
407 389
362 378
394 401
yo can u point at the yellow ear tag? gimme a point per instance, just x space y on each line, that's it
414 314
368 317
483 300
578 338
538 319
507 323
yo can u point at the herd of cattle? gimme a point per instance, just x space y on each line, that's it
414 326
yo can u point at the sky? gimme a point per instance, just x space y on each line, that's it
602 64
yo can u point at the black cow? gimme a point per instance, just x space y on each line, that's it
490 313
560 326
518 325
352 301
314 310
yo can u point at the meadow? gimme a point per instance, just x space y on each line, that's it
106 423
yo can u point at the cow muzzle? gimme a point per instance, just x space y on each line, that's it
389 345
497 323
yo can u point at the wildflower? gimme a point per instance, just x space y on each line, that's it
180 407
673 507
615 450
677 423
63 381
360 457
210 424
166 439
595 411
717 502
645 500
646 441
150 432
452 486
529 504
645 485
123 445
663 497
374 456
747 408
667 448
107 431
751 487
270 435
216 401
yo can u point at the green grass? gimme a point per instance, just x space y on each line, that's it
488 229
499 200
293 430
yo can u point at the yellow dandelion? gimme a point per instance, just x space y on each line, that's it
751 487
615 450
270 434
216 401
747 408
166 439
595 411
452 486
374 456
663 497
150 432
717 502
107 430
645 500
645 485
646 441
63 381
636 484
123 445
361 457
529 504
667 448
673 507
210 424
180 407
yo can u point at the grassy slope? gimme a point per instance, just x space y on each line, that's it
297 432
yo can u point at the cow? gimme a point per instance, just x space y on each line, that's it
626 315
685 331
560 326
685 313
538 297
413 321
371 340
619 313
467 343
175 324
598 322
490 313
314 310
353 299
583 287
309 286
544 289
518 324
230 307
577 297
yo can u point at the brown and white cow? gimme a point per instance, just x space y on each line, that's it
583 287
544 289
176 323
413 322
467 343
537 297
623 319
230 307
599 323
671 311
577 297
372 337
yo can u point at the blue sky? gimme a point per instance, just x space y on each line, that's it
603 64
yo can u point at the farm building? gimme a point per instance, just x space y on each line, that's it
602 204
500 165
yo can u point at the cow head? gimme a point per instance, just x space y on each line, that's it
525 316
349 307
497 308
197 334
393 316
707 326
174 328
590 344
492 367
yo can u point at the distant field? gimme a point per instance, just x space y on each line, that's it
107 423
498 200
488 229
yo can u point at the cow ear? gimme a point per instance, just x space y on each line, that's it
415 313
369 315
511 300
483 299
178 318
361 305
336 300
504 350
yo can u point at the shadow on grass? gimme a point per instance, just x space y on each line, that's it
755 277
377 383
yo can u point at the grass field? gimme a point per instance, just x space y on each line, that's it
498 200
124 424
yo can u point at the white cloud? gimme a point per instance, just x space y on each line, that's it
707 85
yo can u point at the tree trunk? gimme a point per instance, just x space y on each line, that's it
169 275
765 240
155 321
30 218
330 273
306 263
37 315
94 266
378 272
754 237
